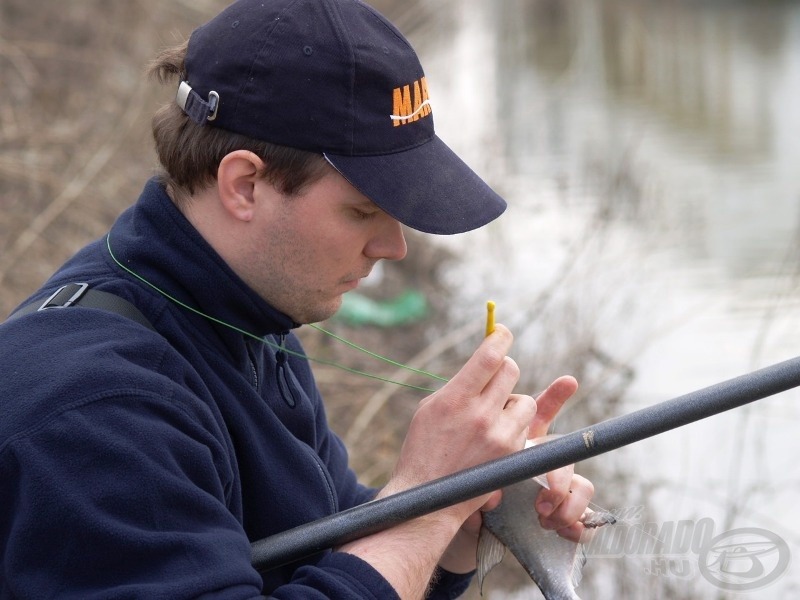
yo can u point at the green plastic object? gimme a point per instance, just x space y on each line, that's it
408 307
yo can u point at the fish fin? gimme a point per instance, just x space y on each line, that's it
490 552
577 566
542 481
592 520
595 519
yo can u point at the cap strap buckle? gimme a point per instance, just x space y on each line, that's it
200 111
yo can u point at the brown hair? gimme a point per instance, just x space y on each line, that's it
190 154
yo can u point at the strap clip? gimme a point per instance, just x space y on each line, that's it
73 291
200 111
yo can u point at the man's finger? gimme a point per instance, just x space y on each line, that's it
549 402
484 363
569 506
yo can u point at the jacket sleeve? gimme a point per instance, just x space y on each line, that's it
121 496
126 496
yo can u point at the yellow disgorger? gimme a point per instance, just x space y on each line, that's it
489 317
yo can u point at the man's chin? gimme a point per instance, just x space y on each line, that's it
317 314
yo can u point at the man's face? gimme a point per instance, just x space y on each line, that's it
313 247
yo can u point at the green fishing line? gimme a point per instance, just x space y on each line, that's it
267 342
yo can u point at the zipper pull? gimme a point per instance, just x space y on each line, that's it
251 354
282 373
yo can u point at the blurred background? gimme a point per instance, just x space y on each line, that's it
649 154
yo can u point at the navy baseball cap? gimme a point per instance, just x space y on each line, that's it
335 77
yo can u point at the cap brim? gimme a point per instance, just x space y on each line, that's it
428 188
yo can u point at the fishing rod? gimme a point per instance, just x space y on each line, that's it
372 517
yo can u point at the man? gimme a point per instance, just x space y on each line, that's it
140 457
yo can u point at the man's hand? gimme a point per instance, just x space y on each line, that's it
559 508
474 418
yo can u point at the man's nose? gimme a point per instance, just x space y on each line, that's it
389 243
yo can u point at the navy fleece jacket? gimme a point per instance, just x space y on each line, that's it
137 464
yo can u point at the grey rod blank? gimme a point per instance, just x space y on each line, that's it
366 519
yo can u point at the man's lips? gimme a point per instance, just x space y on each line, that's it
351 284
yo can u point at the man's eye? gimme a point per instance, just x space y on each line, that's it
363 215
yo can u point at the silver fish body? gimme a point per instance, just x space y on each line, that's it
554 563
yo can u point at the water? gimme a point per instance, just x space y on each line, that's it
649 155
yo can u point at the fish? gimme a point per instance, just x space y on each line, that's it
555 564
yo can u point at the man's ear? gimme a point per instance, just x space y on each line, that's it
237 175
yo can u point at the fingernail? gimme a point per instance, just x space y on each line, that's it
545 508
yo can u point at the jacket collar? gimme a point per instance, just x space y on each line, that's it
155 240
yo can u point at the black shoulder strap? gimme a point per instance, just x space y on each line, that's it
80 294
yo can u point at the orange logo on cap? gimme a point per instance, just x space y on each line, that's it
405 111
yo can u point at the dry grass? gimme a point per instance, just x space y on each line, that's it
75 146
